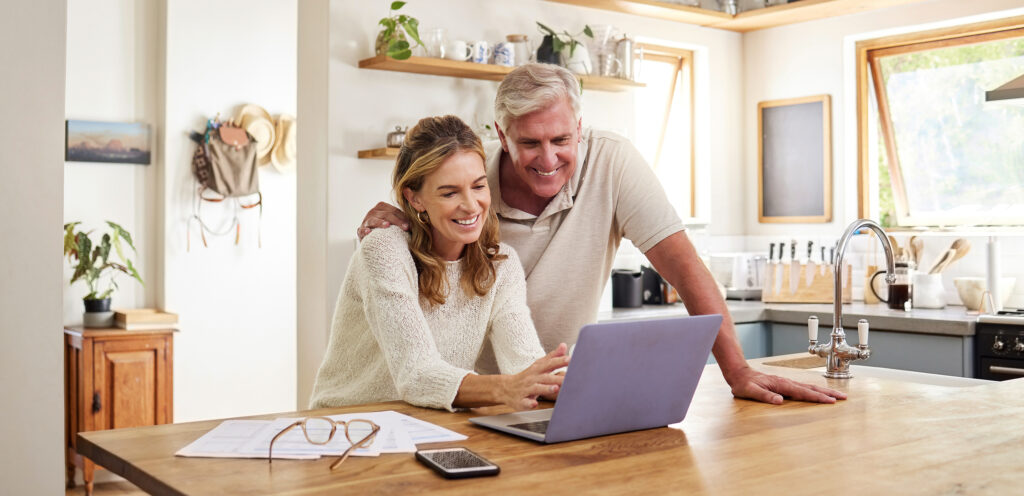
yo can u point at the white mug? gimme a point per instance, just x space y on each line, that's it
481 52
456 50
928 291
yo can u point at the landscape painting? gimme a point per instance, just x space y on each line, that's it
110 142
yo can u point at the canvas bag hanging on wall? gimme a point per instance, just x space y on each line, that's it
225 162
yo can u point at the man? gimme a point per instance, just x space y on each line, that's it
565 200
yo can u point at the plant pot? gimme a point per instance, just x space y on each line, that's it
546 53
97 313
382 43
579 61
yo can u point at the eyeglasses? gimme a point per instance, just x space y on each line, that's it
320 431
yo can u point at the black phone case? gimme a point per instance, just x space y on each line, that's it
494 469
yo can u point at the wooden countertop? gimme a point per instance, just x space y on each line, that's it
889 437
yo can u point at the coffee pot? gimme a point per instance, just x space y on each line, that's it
901 290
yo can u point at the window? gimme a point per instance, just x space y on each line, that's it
945 156
664 122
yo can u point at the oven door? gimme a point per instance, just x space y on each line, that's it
1000 369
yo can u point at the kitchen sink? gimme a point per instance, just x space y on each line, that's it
817 364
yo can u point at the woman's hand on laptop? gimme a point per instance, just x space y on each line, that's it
520 391
751 384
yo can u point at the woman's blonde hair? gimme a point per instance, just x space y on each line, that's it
427 145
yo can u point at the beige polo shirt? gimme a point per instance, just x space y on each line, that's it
568 250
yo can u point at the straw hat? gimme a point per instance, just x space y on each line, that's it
258 123
283 155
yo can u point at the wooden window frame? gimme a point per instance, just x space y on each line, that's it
867 52
682 58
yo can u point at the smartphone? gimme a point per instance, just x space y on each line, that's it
457 463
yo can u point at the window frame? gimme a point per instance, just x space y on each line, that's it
869 77
683 59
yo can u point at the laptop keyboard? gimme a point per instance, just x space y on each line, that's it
540 427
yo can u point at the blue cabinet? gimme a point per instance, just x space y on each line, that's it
930 353
754 338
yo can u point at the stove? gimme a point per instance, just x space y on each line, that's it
999 345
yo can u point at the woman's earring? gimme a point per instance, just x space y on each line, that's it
422 216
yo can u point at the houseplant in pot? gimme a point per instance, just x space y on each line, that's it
94 264
565 49
391 40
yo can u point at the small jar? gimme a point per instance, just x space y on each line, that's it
396 138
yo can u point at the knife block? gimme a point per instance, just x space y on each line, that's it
816 287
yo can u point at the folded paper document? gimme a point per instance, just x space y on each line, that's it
399 433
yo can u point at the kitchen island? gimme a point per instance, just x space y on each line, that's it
894 435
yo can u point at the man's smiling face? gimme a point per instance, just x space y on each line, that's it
543 146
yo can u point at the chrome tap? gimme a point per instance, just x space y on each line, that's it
839 353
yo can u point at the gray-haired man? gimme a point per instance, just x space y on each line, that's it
565 200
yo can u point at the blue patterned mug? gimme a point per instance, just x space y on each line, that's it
505 54
481 52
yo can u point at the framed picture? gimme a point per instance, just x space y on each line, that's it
794 170
110 142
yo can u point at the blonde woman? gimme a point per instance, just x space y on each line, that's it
417 308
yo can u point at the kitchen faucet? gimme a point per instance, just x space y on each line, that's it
839 353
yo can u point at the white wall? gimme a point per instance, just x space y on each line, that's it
364 105
31 154
235 354
112 50
817 57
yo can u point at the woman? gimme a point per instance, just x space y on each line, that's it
416 308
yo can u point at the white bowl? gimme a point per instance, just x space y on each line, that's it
971 289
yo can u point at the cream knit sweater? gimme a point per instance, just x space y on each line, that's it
388 344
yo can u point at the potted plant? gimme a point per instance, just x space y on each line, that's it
391 40
92 261
564 48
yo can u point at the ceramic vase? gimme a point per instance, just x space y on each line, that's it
578 61
546 53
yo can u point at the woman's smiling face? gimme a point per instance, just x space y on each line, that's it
455 198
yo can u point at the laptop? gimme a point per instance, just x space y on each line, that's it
624 376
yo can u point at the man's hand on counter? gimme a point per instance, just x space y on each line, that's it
753 385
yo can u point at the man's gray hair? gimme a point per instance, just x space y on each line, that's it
531 87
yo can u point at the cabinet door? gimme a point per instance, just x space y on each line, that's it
130 382
754 339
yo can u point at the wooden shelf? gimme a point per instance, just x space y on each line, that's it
470 70
380 153
751 20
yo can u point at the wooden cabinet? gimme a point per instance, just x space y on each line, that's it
113 379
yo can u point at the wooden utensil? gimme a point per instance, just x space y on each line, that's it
916 249
944 260
962 246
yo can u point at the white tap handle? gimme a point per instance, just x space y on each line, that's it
812 328
862 332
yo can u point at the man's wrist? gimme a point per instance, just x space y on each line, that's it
736 371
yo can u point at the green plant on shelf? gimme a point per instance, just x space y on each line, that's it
391 40
92 261
560 40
